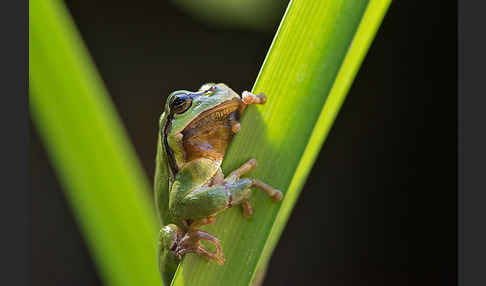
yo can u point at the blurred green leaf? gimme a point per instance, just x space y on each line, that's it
97 167
306 75
254 14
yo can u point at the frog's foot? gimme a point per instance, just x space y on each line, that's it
274 194
191 243
250 98
234 176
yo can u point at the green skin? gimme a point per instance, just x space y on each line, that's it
192 200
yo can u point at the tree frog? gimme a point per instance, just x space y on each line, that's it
195 130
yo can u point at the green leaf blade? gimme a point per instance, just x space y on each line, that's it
98 169
307 72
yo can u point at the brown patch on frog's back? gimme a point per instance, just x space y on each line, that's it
209 135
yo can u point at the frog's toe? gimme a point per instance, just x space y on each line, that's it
220 259
250 98
235 126
274 194
211 256
247 209
277 196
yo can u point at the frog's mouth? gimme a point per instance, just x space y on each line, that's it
216 114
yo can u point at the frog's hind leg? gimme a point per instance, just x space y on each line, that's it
274 194
234 176
201 222
191 243
201 205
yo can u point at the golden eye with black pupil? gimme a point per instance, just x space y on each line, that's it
180 103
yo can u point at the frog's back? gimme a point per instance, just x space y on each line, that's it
161 181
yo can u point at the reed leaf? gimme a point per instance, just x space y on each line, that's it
308 70
90 151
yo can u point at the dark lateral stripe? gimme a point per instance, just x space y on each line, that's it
168 151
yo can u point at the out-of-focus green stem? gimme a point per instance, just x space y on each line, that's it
96 165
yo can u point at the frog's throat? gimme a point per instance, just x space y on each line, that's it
208 136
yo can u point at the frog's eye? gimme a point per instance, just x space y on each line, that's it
180 103
206 87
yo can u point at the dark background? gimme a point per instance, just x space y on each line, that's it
379 207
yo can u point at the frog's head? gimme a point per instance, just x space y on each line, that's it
186 106
185 110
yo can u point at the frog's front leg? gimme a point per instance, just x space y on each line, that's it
201 205
250 98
